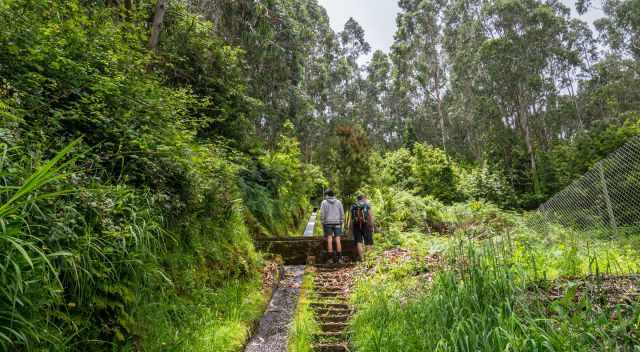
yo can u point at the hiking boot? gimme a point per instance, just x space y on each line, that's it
340 260
330 260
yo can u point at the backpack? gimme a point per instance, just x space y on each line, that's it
360 215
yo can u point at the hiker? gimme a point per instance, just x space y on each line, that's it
362 225
332 217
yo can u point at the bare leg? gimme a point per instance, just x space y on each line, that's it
338 244
360 247
330 244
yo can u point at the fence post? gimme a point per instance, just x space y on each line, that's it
607 199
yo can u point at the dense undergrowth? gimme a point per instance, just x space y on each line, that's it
489 283
137 236
133 177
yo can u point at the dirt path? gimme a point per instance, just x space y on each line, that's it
333 285
272 334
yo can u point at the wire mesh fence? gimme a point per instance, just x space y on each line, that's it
605 199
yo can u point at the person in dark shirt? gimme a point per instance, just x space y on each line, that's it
362 225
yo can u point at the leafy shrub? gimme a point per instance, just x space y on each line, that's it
434 173
396 169
424 170
481 183
396 208
484 302
156 219
277 188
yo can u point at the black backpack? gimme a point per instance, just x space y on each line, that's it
360 215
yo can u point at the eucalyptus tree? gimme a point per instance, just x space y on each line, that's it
353 45
419 39
621 27
156 26
524 39
401 93
472 126
375 105
278 38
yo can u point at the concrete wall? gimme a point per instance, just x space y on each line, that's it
296 250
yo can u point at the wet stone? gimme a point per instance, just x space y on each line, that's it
272 333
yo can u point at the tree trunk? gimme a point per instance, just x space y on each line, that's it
156 27
443 128
524 120
440 110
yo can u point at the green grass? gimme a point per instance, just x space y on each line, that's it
100 269
24 263
207 320
304 323
492 294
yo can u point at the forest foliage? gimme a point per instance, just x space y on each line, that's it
487 282
133 235
133 176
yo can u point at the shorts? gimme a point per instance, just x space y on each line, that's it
363 234
332 230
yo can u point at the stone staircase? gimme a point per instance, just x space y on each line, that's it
332 311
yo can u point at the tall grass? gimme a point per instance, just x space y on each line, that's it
487 299
70 255
23 262
208 320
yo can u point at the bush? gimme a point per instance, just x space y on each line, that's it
396 169
156 219
481 183
277 188
425 170
435 174
483 302
396 208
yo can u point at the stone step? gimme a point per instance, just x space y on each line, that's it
331 307
330 300
330 336
328 305
334 266
334 318
330 296
330 281
327 295
331 347
330 271
329 284
335 311
330 289
327 327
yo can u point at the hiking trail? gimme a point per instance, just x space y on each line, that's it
333 284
